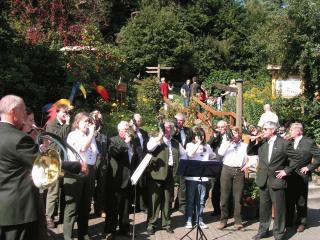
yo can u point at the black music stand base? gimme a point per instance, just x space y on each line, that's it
199 233
195 168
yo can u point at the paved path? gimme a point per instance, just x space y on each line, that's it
212 233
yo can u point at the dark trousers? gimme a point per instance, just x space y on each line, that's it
52 200
78 195
275 197
215 194
117 209
160 193
296 200
232 182
42 222
142 194
100 190
25 231
181 201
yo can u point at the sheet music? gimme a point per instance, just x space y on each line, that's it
140 169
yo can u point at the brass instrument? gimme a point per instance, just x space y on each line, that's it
47 166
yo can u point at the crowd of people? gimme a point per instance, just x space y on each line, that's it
107 164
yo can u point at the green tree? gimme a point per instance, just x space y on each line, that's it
155 36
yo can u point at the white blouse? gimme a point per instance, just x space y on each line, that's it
76 139
203 153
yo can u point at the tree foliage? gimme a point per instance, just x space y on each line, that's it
214 39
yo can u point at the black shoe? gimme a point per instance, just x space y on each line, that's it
260 236
150 231
124 233
169 230
109 236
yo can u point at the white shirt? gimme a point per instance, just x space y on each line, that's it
296 142
76 139
234 154
130 152
183 136
154 143
203 153
271 142
268 116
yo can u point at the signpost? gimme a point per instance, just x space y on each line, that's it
239 99
157 69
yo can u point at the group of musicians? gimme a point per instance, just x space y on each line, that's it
108 163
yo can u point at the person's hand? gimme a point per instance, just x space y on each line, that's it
198 139
91 128
127 138
44 146
304 170
281 174
67 117
161 134
84 168
245 167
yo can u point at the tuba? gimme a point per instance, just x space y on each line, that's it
47 167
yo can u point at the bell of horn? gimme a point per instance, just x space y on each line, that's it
47 167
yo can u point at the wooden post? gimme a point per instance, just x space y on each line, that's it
239 104
158 71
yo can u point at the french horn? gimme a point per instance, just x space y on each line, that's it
47 167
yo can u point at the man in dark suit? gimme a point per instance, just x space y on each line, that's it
119 189
273 157
183 135
165 154
18 195
297 193
140 141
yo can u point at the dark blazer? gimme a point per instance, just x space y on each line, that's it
215 143
158 167
267 170
306 150
188 134
141 151
120 169
18 195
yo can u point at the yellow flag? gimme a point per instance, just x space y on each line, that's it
83 90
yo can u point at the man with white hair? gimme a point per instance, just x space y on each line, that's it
18 195
305 150
273 156
122 161
268 115
183 135
166 153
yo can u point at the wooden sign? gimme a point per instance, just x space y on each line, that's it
121 87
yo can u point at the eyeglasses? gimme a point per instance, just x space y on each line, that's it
265 129
221 127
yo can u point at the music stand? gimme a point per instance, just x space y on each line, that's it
134 180
196 168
